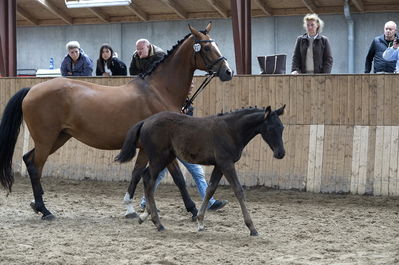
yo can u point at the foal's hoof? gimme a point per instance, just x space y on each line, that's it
254 233
161 228
193 218
48 217
131 215
33 206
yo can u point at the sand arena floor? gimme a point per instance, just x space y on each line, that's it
294 227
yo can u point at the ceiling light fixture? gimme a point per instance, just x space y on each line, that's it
95 3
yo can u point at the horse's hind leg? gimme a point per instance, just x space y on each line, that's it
231 176
214 181
34 161
178 178
139 167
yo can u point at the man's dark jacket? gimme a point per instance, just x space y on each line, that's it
322 57
142 65
377 48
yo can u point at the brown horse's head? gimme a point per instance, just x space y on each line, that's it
208 55
272 131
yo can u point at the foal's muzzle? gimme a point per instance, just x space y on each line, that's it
279 154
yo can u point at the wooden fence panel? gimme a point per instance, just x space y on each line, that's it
341 133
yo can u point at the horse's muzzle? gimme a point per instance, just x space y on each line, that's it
225 73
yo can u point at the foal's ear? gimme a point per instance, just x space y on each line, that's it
280 111
195 32
267 112
209 27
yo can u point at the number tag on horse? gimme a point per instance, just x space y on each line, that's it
197 47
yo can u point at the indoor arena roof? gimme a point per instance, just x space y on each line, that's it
54 12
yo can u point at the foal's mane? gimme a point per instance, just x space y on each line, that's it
168 54
242 111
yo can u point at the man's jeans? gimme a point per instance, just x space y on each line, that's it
197 172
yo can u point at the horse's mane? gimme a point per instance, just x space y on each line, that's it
242 111
168 54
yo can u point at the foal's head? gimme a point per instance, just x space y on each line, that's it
272 131
208 56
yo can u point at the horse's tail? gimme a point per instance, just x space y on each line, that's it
128 150
9 130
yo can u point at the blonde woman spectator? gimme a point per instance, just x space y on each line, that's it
312 53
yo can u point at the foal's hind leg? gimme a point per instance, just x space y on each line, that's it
139 167
34 161
149 178
214 181
231 176
178 178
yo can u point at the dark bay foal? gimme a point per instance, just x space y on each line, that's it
215 140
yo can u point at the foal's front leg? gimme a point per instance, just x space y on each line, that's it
231 176
138 170
214 181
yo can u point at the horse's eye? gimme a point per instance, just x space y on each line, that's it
207 48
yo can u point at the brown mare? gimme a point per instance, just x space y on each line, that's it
215 140
100 116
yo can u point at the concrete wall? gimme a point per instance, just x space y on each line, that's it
35 45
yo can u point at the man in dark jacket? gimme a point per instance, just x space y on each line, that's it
377 47
145 57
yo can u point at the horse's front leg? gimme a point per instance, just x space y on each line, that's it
178 179
214 181
138 170
231 176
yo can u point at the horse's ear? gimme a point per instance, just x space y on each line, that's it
195 32
280 111
267 112
209 27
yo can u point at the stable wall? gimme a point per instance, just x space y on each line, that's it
341 133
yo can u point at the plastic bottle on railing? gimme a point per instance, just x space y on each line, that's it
51 63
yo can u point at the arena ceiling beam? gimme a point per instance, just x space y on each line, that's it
100 14
138 12
53 9
310 5
265 7
23 13
177 8
358 4
218 6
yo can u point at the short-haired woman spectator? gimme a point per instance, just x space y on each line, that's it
76 62
108 64
312 53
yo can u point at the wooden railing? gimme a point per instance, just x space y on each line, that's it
341 133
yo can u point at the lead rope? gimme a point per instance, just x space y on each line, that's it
199 90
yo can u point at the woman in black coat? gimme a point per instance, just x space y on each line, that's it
108 64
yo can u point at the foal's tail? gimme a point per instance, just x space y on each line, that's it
9 130
128 150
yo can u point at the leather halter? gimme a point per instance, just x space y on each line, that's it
208 63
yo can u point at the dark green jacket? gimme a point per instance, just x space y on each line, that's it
142 65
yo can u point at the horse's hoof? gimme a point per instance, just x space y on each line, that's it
193 218
48 217
254 233
33 206
131 215
140 221
201 228
161 228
